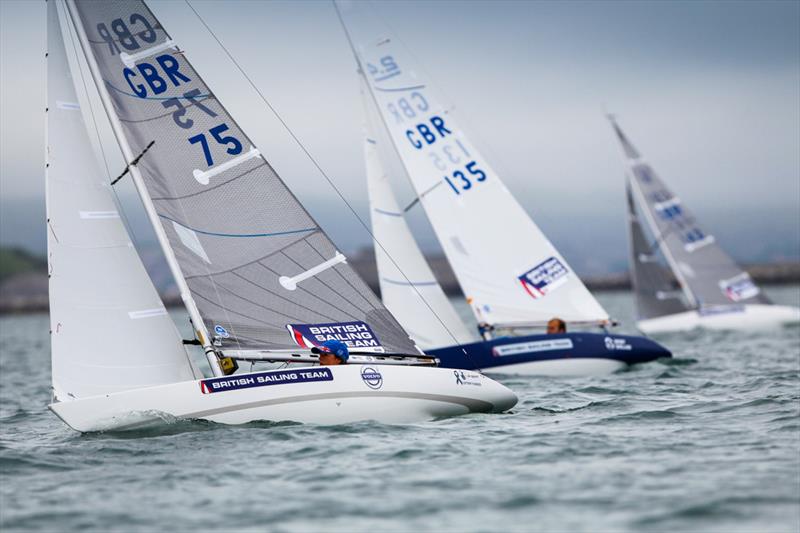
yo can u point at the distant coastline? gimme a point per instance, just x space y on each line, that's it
23 279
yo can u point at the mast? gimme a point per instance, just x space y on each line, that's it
691 300
163 241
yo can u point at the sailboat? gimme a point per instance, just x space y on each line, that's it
513 278
700 286
261 281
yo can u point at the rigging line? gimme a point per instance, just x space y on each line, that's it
311 158
79 66
365 82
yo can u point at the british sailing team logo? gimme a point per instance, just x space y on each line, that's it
357 335
544 278
372 378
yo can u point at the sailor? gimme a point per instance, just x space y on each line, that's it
333 353
556 325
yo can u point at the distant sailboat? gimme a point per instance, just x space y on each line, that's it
513 277
700 286
260 279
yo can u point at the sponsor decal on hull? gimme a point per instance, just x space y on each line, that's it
544 278
533 346
465 377
264 379
356 335
371 377
617 344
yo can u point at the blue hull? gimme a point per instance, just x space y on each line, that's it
532 348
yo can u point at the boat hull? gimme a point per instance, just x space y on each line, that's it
567 354
746 317
317 395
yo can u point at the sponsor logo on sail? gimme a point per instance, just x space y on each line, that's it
544 278
221 332
356 335
263 379
372 377
739 287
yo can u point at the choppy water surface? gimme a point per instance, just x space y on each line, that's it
708 441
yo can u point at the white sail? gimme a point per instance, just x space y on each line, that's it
509 271
110 330
408 287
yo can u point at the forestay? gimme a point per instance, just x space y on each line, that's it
508 270
708 276
408 287
657 294
261 271
109 330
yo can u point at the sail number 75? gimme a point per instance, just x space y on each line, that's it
459 181
234 145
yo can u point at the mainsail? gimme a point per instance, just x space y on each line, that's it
109 330
706 274
509 271
408 287
260 271
657 294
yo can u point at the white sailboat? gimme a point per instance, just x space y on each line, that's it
700 286
514 279
260 280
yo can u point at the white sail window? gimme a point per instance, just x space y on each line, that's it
189 239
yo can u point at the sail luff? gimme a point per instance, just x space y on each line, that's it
141 188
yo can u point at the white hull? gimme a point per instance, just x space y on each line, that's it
577 367
400 394
750 317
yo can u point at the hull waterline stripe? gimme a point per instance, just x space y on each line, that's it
470 403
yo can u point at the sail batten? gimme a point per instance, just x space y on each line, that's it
507 268
707 276
230 221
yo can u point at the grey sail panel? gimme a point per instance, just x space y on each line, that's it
657 292
708 275
255 261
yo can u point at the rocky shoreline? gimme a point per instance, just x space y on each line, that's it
26 292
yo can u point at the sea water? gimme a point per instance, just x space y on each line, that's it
707 441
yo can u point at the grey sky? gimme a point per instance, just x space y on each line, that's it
709 92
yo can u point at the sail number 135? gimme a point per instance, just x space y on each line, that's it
460 180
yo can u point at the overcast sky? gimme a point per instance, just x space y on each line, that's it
708 91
